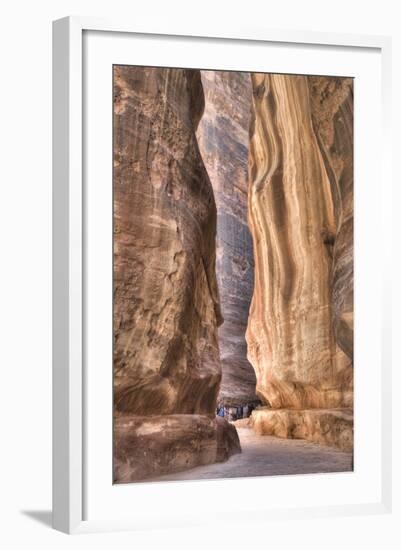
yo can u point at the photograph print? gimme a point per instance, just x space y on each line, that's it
232 274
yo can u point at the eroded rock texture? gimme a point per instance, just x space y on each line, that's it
166 303
300 211
166 306
332 117
155 445
332 427
223 136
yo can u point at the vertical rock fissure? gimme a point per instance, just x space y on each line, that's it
223 138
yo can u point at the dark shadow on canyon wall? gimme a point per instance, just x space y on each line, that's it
223 136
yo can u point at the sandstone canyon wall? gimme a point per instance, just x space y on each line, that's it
300 213
223 136
332 117
167 370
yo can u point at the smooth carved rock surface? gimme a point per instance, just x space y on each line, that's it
166 303
155 445
332 427
223 136
299 212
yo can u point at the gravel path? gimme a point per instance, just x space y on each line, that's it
268 456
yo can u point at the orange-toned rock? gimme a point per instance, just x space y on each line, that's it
332 427
294 219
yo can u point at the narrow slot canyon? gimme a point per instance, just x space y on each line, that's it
233 274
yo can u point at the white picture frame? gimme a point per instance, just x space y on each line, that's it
70 426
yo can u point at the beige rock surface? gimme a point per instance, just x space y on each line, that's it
332 427
332 117
294 218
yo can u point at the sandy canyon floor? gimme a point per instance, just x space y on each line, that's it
269 456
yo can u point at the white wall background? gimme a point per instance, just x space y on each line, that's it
25 351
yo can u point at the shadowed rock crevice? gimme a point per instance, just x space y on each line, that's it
223 136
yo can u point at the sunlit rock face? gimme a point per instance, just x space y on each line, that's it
166 303
223 136
300 211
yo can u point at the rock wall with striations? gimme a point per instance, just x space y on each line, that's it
223 136
300 210
332 117
166 302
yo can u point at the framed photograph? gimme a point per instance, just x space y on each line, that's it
220 322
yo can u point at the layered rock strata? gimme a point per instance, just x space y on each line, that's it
223 136
300 213
166 302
